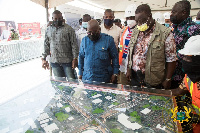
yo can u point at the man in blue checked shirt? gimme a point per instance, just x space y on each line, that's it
96 52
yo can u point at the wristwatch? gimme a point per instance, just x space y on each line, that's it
115 75
168 79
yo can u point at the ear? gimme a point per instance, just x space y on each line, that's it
150 15
184 12
99 29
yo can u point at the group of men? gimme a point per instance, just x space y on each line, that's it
144 53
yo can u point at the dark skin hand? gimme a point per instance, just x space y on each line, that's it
128 74
170 70
113 79
178 92
74 63
45 64
80 77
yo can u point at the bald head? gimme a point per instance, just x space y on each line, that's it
93 25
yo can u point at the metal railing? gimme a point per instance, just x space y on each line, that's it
18 51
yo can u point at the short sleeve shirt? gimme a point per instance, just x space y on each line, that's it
141 47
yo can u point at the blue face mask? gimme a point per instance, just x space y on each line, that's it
197 21
167 25
108 22
85 25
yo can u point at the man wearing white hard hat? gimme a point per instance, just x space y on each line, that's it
159 18
124 43
191 82
167 19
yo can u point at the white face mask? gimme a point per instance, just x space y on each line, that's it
131 23
197 21
85 25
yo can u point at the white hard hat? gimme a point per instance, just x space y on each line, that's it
159 17
167 15
130 10
192 46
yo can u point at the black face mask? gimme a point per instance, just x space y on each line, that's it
174 19
94 37
192 69
58 23
108 22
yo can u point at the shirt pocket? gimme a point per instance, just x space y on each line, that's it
64 37
158 51
103 54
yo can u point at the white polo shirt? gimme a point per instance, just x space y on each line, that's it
80 34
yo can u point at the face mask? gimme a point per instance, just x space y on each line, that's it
108 22
197 21
85 25
192 68
58 23
143 27
174 20
131 23
167 24
94 37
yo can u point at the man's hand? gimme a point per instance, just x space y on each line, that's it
74 63
166 84
128 74
114 78
178 92
80 77
45 64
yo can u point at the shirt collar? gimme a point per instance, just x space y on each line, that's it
183 23
110 27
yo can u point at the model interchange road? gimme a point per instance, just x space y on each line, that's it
114 110
85 113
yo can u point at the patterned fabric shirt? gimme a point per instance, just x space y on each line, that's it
61 44
182 33
141 48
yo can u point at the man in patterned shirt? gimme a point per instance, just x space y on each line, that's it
152 51
61 44
184 28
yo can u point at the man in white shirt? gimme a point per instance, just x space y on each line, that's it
124 43
82 32
109 27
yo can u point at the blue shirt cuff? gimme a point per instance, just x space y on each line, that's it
80 73
116 71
